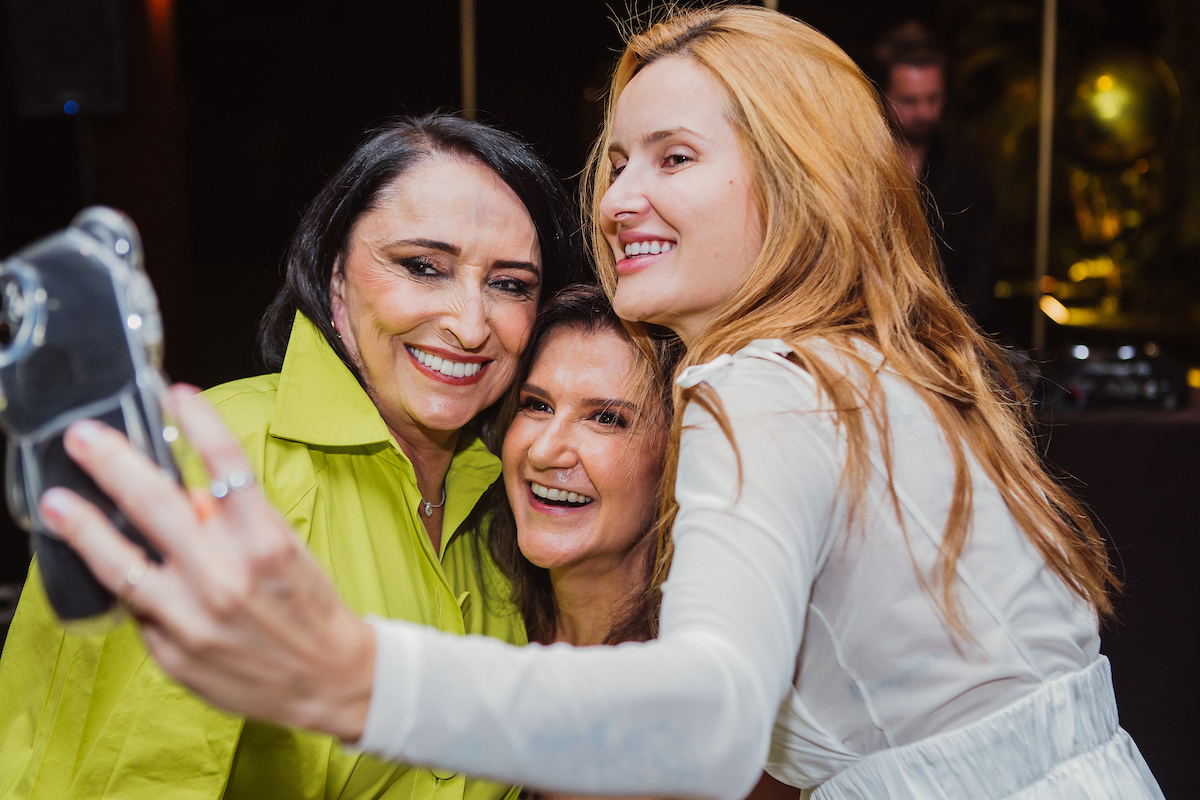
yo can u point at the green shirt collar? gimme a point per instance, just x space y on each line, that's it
319 402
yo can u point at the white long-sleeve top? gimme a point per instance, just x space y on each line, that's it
787 635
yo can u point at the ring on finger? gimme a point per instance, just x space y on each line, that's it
233 482
135 573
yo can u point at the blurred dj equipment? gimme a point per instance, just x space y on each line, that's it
1088 377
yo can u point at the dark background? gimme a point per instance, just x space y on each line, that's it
224 117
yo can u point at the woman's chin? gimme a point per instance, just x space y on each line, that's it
547 555
433 410
446 420
633 308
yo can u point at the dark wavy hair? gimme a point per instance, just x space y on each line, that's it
587 308
387 153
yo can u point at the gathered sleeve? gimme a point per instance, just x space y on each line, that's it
689 714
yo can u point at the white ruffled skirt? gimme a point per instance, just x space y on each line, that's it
1062 742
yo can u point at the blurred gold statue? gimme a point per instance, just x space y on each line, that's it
1115 118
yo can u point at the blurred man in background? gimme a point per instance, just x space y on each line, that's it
958 192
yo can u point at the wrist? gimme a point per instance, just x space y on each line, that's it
349 681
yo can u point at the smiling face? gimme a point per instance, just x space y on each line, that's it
436 295
581 466
680 213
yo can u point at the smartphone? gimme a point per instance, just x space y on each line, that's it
80 336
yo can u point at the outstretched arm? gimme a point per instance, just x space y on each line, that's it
689 714
240 613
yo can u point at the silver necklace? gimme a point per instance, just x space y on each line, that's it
428 507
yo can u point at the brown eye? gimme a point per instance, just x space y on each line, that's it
513 286
419 266
610 418
536 405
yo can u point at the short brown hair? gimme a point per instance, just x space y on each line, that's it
909 44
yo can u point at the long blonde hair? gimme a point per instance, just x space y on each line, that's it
847 255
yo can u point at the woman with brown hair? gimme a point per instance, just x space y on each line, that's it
572 523
875 586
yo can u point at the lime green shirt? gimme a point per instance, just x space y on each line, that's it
91 717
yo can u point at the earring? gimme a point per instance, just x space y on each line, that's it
333 325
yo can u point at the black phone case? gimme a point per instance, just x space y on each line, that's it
80 336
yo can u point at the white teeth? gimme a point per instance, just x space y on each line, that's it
456 369
647 247
559 495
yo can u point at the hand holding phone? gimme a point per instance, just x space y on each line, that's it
80 336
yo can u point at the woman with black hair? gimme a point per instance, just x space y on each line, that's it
412 285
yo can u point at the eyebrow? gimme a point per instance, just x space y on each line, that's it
524 266
455 250
610 402
655 137
431 244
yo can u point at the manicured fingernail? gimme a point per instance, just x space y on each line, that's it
85 431
56 503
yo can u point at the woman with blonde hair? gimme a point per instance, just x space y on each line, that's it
874 586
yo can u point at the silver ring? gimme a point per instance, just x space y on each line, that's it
136 572
233 482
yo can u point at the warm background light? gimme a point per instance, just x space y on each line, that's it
160 14
1054 309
